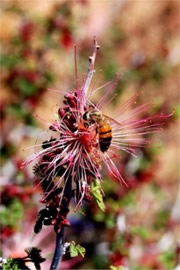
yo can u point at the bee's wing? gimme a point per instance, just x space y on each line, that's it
112 120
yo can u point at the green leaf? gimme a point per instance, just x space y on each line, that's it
73 251
10 264
76 250
81 250
97 194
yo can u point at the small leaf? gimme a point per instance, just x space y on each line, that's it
76 250
10 264
73 250
15 264
97 194
81 250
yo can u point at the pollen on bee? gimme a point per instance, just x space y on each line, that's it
88 136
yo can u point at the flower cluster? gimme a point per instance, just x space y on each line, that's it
84 138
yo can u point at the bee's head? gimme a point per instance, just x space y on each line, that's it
92 115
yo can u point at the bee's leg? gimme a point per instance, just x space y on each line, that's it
96 130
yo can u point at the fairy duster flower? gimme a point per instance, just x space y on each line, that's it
84 139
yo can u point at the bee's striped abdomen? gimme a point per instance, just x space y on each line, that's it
105 136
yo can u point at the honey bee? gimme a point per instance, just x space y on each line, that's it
104 129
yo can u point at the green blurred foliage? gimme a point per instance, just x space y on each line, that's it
162 219
168 259
9 61
11 215
20 113
141 232
100 262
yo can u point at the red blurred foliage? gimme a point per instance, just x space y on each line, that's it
12 191
66 38
117 259
6 232
26 31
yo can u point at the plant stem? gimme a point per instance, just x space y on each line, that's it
58 253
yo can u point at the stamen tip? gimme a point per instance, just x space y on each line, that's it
90 59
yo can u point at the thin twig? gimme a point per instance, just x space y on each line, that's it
90 74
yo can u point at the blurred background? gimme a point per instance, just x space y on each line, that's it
140 227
